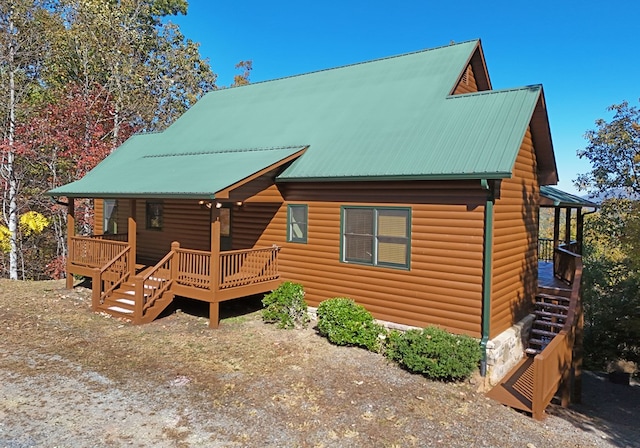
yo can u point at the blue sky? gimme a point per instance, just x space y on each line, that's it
584 53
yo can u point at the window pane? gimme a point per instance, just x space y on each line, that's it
392 252
359 221
110 222
225 221
393 223
358 248
298 223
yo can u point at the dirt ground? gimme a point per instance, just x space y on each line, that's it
73 378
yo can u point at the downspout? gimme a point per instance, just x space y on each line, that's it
487 266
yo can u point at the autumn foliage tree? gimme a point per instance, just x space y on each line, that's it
77 78
611 289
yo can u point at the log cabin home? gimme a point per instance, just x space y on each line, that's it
407 184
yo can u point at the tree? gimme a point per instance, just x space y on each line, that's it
611 280
23 33
614 153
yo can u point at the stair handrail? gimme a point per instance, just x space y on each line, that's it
142 302
552 365
124 274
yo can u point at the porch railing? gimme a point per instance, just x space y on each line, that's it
553 365
545 249
243 267
93 252
193 268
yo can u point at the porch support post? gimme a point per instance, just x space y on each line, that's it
71 231
567 225
579 229
132 229
556 227
214 305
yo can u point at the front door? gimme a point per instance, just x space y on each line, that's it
225 228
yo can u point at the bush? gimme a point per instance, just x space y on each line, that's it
434 353
286 306
344 322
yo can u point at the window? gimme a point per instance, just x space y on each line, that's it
297 223
225 222
154 215
376 236
109 216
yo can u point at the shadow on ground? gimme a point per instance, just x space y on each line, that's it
612 410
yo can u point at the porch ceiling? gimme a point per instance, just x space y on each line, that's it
137 173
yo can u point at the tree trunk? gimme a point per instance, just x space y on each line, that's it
9 168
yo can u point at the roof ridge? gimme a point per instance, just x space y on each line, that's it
490 92
224 151
354 64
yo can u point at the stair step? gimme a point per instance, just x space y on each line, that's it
537 331
555 306
126 301
121 310
547 323
541 342
552 297
549 314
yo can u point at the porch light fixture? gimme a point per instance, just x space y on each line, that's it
239 203
218 204
205 204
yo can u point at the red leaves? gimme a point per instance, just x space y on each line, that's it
71 133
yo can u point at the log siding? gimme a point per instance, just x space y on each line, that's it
443 286
514 275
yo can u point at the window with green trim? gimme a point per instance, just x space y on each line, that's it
379 236
297 223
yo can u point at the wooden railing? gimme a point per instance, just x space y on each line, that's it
152 285
93 252
545 249
110 236
114 273
553 365
243 267
193 268
564 264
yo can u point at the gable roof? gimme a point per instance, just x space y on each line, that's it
388 119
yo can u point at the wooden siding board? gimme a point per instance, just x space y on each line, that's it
443 286
514 242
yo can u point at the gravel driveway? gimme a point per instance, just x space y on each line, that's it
72 378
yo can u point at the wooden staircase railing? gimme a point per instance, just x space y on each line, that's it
113 274
532 384
151 286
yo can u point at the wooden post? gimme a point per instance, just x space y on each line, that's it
71 231
578 342
96 289
132 236
174 261
556 228
214 307
138 306
567 225
579 229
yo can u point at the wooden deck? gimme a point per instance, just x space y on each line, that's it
547 279
140 292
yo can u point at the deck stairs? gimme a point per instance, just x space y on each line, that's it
550 309
516 389
121 302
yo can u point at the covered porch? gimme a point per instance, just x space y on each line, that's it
126 286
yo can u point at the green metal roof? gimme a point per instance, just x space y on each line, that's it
558 198
145 173
392 118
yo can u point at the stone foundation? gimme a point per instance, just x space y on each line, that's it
507 349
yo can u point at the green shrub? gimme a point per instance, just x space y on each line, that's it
344 322
434 353
286 306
